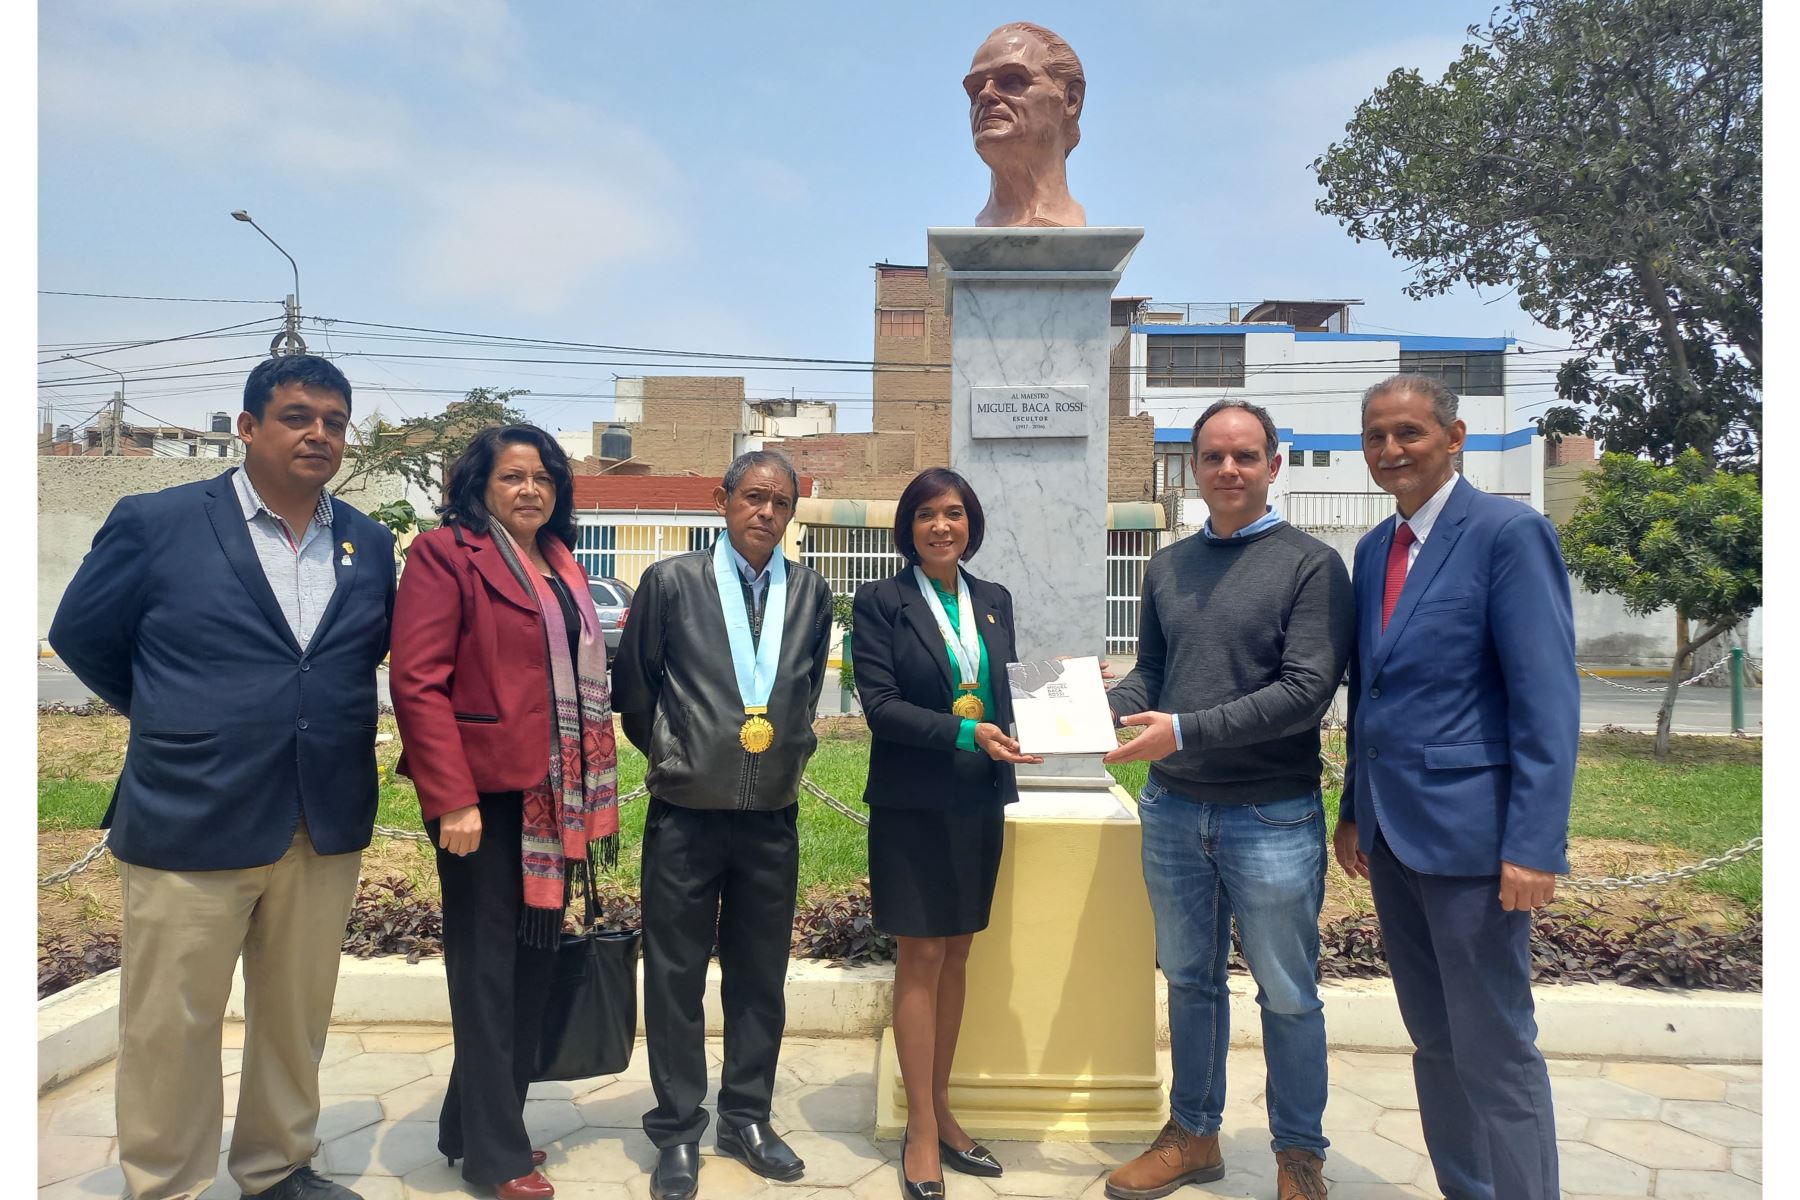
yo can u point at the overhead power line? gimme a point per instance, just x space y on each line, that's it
165 299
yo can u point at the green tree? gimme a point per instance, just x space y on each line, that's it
1604 158
420 449
1685 536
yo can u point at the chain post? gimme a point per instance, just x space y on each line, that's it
1737 689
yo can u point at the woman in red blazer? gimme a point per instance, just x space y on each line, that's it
499 686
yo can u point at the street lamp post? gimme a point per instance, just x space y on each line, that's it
288 341
109 436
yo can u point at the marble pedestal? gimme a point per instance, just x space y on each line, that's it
1058 1035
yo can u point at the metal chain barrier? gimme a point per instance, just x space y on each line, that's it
1660 687
77 867
833 802
1610 883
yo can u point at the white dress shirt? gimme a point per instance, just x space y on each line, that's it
1425 518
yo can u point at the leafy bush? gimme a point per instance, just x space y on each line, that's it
841 927
95 707
63 963
391 917
1647 950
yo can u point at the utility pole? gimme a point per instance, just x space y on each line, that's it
110 431
288 341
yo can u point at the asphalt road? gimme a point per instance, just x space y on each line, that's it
1700 709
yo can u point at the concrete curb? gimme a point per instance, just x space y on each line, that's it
79 1028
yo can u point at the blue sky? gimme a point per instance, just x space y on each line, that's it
702 177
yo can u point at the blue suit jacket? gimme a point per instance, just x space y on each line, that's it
235 731
1465 714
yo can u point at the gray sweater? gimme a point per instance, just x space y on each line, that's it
1244 640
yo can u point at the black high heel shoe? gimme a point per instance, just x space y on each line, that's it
930 1189
976 1160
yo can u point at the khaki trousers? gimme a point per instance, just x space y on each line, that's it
183 932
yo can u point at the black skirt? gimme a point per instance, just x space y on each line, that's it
932 870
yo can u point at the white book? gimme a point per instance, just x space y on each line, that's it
1059 707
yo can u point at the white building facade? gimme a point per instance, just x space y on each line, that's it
1312 384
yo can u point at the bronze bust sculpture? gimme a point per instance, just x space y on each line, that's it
1025 92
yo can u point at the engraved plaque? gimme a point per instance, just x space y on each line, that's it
1030 411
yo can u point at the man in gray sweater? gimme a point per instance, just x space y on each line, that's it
1245 632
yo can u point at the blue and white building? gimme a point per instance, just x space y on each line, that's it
1299 360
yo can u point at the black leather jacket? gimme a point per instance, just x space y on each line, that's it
677 695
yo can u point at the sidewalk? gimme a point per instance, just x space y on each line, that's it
1627 1129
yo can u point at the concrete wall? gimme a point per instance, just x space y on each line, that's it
76 494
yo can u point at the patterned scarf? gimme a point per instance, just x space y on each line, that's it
571 820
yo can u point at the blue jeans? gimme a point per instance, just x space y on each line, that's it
1265 865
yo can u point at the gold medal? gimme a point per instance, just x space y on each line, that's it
756 734
968 704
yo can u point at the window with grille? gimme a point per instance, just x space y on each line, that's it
1464 372
1174 464
902 322
1195 361
1321 458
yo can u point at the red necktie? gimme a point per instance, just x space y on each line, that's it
1396 571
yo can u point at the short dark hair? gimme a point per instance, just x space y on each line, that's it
928 485
308 369
1270 435
744 463
464 491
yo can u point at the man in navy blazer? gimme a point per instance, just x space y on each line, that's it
238 623
1460 764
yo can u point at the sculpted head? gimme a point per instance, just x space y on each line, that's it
1025 90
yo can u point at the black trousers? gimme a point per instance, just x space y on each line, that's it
1462 974
498 987
736 872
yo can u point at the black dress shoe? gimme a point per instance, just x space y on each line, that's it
760 1148
976 1160
929 1189
304 1184
677 1173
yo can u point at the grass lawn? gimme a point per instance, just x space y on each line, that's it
1704 799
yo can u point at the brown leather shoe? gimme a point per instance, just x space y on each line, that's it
526 1187
1299 1174
1174 1158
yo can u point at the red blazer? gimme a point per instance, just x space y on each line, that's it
468 673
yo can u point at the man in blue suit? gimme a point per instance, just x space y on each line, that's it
238 624
1464 722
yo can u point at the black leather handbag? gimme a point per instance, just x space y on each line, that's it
590 1021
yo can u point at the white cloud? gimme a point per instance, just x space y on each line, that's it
532 240
526 199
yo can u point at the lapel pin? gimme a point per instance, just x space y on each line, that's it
990 618
348 551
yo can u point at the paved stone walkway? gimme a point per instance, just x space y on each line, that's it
1628 1129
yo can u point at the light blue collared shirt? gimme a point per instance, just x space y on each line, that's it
1268 520
758 581
297 565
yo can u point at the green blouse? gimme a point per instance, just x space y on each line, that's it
965 740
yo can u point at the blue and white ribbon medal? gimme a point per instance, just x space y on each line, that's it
754 661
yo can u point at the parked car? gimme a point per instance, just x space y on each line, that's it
612 598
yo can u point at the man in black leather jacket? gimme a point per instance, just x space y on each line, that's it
717 680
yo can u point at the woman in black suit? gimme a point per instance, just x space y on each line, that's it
932 644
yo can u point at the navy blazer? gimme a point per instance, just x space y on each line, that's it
235 731
903 678
1465 715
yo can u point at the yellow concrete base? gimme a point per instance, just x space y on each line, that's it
1040 1108
1059 1030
